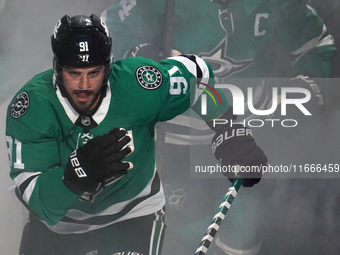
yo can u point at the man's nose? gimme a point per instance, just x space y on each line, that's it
84 82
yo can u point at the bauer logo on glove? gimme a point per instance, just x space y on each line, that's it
234 146
229 134
98 163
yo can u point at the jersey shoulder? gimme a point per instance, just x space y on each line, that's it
34 107
146 73
39 84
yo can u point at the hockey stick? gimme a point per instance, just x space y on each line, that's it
219 217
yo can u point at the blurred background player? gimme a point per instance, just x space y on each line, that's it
240 39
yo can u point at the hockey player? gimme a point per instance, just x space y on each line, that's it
80 139
240 39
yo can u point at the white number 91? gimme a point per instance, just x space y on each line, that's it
84 46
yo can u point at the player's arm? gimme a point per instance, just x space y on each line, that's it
233 144
306 37
50 190
37 173
48 181
312 49
187 77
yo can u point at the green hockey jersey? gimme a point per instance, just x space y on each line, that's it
42 130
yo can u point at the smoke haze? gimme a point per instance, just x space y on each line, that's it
296 216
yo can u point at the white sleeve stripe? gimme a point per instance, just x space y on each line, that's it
328 40
29 190
205 70
311 43
192 68
189 64
205 78
21 178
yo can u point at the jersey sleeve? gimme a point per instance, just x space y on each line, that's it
303 34
34 157
190 80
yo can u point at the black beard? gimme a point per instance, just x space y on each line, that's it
86 111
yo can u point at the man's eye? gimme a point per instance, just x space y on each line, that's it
93 74
74 74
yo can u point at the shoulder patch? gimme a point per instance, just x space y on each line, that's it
20 105
149 77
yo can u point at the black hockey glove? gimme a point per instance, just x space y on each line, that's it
234 146
314 106
98 163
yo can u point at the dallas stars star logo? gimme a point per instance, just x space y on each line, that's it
222 65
